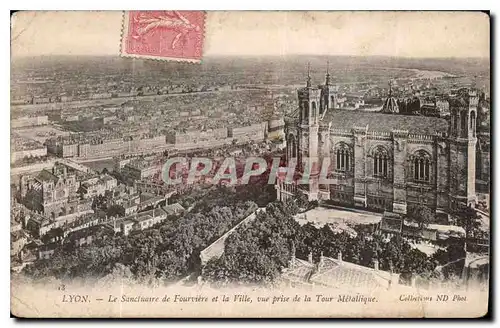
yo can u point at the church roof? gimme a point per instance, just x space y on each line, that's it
380 122
300 271
46 176
335 273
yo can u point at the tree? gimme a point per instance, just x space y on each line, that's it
98 202
422 215
53 234
115 210
301 200
470 220
256 252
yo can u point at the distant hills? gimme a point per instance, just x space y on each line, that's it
457 66
223 70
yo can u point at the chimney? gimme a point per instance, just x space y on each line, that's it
375 264
339 256
310 257
292 260
321 262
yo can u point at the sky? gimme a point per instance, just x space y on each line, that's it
404 34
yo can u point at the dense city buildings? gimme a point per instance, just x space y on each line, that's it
70 147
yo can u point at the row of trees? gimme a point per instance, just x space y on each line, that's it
26 160
257 252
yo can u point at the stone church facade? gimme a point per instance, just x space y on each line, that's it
379 161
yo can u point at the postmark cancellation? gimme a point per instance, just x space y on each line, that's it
163 35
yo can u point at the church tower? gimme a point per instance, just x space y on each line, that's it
309 116
463 141
309 100
328 93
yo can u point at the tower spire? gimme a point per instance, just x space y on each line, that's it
327 82
308 75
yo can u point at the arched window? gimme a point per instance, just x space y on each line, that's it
343 157
420 166
463 124
291 146
305 105
473 123
332 102
380 161
452 122
313 109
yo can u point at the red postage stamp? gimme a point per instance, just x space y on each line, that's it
167 35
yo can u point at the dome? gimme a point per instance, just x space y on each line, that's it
390 105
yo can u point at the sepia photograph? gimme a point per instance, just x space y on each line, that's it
250 164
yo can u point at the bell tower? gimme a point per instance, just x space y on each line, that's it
328 93
309 101
463 141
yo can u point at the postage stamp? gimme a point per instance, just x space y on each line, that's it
165 35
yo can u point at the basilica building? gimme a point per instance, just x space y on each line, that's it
382 161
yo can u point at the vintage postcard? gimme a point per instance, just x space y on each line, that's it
293 164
